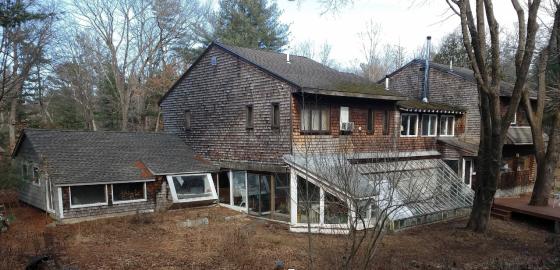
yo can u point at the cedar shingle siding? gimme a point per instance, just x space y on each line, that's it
217 97
444 88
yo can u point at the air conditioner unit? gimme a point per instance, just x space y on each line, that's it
346 126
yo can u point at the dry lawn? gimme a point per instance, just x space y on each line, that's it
158 241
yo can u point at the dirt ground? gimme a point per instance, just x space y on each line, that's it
231 240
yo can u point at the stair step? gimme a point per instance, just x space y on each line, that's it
501 211
502 216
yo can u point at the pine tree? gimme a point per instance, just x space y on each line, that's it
251 24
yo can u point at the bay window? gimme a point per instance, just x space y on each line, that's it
195 187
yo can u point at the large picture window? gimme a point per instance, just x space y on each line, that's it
409 125
447 125
315 118
185 188
90 195
429 125
129 192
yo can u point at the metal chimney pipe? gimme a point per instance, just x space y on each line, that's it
288 57
426 93
386 83
451 64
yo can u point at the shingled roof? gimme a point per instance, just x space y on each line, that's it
506 88
306 74
74 157
428 107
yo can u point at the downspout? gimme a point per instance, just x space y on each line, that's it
425 92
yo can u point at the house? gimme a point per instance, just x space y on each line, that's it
456 86
77 175
280 126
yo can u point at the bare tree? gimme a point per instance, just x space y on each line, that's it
364 194
487 71
135 36
547 155
25 34
372 66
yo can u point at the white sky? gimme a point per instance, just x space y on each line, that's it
403 22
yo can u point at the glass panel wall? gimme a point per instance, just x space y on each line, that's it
258 193
239 189
224 189
336 211
308 196
280 202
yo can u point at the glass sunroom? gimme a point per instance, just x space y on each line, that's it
262 194
336 192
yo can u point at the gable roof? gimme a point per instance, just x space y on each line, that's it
303 73
75 157
506 88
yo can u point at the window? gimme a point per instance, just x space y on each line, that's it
514 121
249 124
468 171
186 188
275 117
409 125
129 192
429 125
29 172
447 125
371 121
453 164
35 175
187 119
91 195
386 123
315 118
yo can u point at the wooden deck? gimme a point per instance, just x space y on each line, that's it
520 205
503 208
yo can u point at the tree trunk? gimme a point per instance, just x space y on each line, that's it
12 122
547 167
124 115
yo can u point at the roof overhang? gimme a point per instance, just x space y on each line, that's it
335 93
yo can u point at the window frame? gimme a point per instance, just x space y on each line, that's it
249 117
309 109
275 116
208 177
72 206
408 125
187 120
128 201
446 125
370 125
435 132
386 122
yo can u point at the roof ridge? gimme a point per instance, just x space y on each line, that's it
96 131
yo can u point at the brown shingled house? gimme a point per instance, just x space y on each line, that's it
254 113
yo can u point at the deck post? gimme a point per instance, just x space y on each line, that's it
557 226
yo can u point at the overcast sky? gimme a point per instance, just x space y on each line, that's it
403 22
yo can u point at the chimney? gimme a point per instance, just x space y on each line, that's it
387 83
451 65
288 57
426 88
